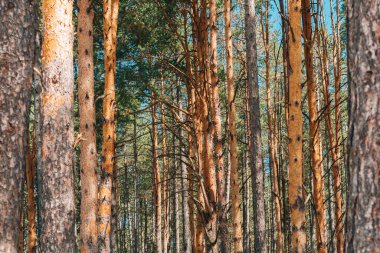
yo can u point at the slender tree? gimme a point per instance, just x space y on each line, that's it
363 201
157 183
88 157
255 129
314 131
235 196
296 199
272 138
217 128
110 15
164 173
57 189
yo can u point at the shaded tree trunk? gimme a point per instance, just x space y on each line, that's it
31 204
363 200
255 130
17 46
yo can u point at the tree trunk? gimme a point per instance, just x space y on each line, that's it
30 182
338 211
157 183
223 239
314 132
17 46
164 172
363 200
296 199
235 197
58 207
88 156
255 130
110 14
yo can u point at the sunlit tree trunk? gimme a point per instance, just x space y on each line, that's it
17 46
296 199
88 156
338 210
338 125
255 129
187 169
223 239
363 200
57 189
164 173
110 14
235 194
209 213
157 183
314 132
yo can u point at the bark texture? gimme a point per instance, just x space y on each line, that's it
255 130
17 45
57 128
363 201
88 157
217 131
110 15
296 199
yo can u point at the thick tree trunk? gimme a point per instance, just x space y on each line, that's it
255 130
314 132
296 199
363 200
88 156
110 14
235 197
57 189
17 46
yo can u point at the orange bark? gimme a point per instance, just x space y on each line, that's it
235 196
110 14
314 132
157 183
164 173
88 154
296 199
